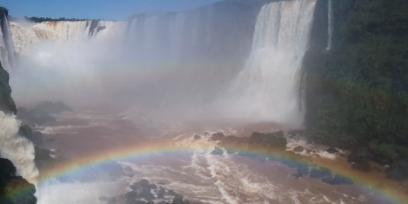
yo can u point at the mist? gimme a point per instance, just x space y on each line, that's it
186 64
114 70
17 148
234 101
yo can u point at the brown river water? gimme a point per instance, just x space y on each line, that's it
209 175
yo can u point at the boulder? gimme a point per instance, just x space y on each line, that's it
14 189
144 192
217 136
299 149
331 150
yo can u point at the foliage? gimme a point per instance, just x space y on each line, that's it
43 19
357 94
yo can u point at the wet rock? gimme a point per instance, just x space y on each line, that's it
217 136
7 104
274 140
399 170
331 150
299 149
35 136
14 189
142 189
143 192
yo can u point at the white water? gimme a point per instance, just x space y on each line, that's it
17 148
28 35
78 192
228 178
7 52
267 88
330 25
167 37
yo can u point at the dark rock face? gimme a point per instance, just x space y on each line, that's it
14 189
3 11
94 27
7 104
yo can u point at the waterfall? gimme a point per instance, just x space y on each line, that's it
7 52
28 35
16 148
177 28
166 36
267 88
191 35
330 25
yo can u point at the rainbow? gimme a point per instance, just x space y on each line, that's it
388 189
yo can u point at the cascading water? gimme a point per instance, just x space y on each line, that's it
17 148
7 52
172 36
28 35
330 25
192 35
267 88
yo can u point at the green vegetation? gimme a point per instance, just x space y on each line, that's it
357 94
42 19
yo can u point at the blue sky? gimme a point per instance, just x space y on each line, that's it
104 9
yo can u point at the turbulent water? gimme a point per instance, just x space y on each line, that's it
17 148
210 174
247 70
28 35
268 87
7 52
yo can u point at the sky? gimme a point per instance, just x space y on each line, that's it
95 9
